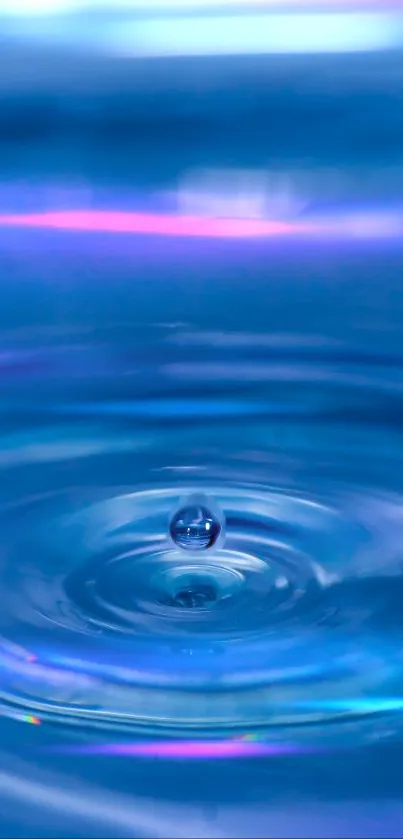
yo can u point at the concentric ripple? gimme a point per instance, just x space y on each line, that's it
182 562
287 620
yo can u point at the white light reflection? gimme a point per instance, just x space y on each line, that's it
47 797
235 193
157 31
255 34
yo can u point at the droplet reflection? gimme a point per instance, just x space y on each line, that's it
197 525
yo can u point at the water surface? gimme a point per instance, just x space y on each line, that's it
255 688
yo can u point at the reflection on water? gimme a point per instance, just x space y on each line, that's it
201 448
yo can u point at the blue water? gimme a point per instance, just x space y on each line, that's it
251 684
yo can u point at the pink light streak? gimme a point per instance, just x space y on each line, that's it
192 750
99 221
369 225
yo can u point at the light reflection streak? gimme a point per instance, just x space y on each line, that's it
171 30
156 224
255 34
192 749
359 225
49 799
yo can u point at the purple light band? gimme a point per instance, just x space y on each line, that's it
192 750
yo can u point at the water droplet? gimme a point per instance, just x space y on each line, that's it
196 526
